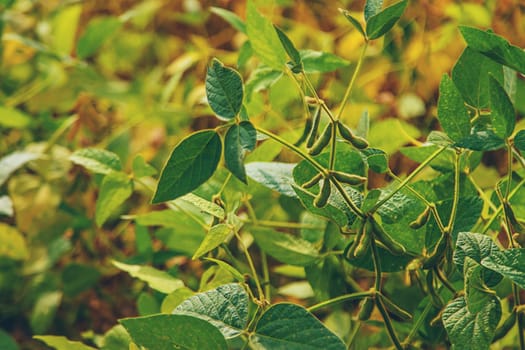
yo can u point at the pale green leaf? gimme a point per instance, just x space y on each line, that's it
96 160
141 168
12 162
509 263
156 279
13 118
116 187
204 205
501 110
12 243
274 175
381 22
62 343
97 32
215 237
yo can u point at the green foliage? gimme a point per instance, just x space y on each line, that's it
273 191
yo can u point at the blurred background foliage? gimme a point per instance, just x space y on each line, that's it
128 76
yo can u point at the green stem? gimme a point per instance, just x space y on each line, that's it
339 299
252 266
444 280
455 200
59 132
352 81
377 264
333 144
296 149
266 276
282 224
408 178
388 324
500 207
418 324
346 197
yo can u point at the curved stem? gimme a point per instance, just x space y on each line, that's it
339 299
377 264
418 324
408 178
455 199
388 324
352 81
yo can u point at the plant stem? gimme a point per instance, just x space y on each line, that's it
296 149
500 207
455 199
339 299
377 264
282 224
352 81
388 324
252 266
266 276
418 324
408 178
347 198
444 280
59 132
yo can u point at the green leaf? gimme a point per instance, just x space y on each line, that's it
372 8
264 39
204 205
13 118
141 168
494 47
471 76
477 294
274 175
519 141
167 332
232 270
62 343
476 247
471 331
224 90
291 327
77 278
174 299
192 162
353 21
6 342
452 113
12 243
215 237
240 138
481 141
44 311
230 17
297 64
117 338
376 159
225 307
380 23
12 162
285 247
147 304
510 263
98 161
116 187
97 32
501 110
331 211
156 279
321 62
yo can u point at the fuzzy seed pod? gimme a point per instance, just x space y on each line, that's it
348 135
322 198
312 135
421 220
382 236
306 131
350 179
367 306
322 141
314 180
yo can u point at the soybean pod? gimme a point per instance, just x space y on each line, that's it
350 179
367 306
313 181
310 140
421 220
364 242
348 135
322 141
306 131
382 236
322 198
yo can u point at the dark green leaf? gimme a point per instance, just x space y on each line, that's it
285 247
321 62
477 247
115 189
239 139
471 331
274 175
225 307
290 50
380 23
224 90
501 110
147 304
471 74
353 21
452 113
98 161
510 263
291 327
372 8
481 141
192 162
477 294
167 332
264 39
98 31
519 140
230 17
495 47
376 159
77 278
329 211
6 342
